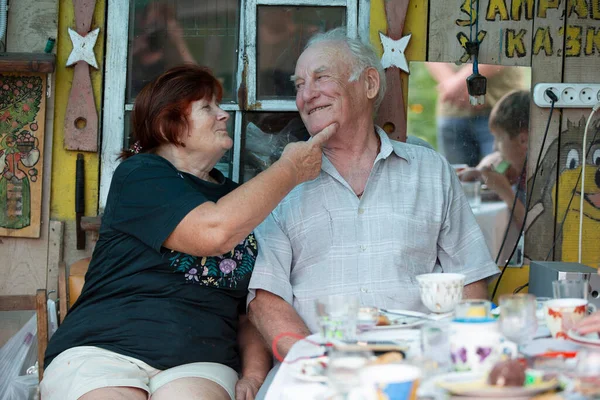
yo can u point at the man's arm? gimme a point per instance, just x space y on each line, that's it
256 360
476 290
272 316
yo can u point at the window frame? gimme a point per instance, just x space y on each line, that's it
115 76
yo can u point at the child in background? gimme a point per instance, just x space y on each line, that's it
509 123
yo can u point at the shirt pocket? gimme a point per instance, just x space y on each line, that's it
415 245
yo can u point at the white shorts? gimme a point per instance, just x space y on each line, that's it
80 370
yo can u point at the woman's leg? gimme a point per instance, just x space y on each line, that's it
190 389
116 393
202 380
90 373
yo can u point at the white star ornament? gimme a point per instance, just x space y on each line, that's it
393 52
83 47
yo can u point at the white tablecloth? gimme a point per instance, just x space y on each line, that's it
492 218
286 386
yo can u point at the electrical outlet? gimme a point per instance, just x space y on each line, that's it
570 95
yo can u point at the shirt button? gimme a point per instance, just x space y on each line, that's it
361 211
363 247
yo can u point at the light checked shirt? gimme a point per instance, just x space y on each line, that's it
412 218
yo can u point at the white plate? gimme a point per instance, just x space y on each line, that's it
410 320
474 385
540 346
311 370
591 339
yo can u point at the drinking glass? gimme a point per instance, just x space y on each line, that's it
587 373
541 304
337 315
473 193
435 347
343 370
518 320
570 289
476 309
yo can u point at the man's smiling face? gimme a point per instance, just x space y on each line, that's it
324 93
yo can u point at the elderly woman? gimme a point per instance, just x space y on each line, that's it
162 310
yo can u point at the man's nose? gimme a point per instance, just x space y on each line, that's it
309 92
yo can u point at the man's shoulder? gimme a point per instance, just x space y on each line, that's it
419 151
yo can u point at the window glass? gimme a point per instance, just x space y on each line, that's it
282 33
166 33
264 137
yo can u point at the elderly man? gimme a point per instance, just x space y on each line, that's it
379 214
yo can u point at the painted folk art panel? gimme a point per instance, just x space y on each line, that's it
22 114
582 39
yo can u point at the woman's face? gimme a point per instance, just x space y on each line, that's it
208 128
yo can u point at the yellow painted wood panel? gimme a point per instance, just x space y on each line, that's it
581 65
63 171
415 24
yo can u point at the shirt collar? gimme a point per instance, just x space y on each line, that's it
388 146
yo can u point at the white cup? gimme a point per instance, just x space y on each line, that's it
477 344
562 314
441 292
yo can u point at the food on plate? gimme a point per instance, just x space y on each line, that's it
388 358
315 367
507 373
383 320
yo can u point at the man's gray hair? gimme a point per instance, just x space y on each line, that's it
363 57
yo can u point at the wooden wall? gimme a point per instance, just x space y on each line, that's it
24 262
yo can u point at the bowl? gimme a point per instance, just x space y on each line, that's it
441 292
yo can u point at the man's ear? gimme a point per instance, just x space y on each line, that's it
372 82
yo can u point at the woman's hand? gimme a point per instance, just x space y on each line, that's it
246 388
305 157
590 324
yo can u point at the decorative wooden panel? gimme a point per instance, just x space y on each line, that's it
22 123
505 30
547 64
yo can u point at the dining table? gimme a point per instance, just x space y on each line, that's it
289 384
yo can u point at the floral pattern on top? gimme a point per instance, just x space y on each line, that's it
226 271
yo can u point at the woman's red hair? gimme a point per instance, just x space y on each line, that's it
161 109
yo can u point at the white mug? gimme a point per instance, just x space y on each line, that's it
478 344
562 314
